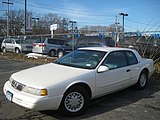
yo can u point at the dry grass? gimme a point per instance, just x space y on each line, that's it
22 57
157 67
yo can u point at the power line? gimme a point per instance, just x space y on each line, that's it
61 9
136 21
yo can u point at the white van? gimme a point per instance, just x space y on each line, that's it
47 46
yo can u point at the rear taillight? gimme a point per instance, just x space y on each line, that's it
34 44
42 45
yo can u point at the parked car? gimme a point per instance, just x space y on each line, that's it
16 45
47 46
1 39
78 77
85 41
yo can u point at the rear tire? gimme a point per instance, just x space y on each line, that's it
142 81
60 54
74 102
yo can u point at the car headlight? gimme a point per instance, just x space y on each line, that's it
27 89
35 91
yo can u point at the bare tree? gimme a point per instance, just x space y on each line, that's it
16 22
41 26
44 22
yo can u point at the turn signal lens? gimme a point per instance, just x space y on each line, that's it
44 92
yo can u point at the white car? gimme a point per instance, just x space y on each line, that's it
72 81
16 45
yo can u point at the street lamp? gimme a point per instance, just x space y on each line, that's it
123 14
35 18
25 16
72 22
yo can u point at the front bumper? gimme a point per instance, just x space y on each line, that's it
32 101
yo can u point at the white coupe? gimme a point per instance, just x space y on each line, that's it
73 80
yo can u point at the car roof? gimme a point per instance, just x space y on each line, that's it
105 49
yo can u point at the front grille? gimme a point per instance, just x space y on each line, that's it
17 85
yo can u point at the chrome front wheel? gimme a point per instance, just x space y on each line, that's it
75 101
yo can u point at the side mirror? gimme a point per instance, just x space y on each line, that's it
102 69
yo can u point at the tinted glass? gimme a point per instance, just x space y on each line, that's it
131 58
39 41
115 60
55 41
8 41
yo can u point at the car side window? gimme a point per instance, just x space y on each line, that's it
115 60
8 41
55 41
51 41
131 58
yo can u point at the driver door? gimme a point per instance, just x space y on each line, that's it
116 77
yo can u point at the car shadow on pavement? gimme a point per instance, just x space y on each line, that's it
113 101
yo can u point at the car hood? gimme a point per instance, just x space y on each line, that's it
49 74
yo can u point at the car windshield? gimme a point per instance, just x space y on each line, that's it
87 59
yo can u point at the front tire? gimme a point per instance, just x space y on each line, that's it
52 53
17 50
75 101
142 81
4 50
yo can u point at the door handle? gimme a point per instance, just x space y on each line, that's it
128 70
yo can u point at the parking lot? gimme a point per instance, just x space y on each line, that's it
128 104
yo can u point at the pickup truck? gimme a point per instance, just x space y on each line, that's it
73 80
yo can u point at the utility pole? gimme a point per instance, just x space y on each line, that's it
8 3
72 22
117 34
25 16
123 14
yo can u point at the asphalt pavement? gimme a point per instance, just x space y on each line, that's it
128 104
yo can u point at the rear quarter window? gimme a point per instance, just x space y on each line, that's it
132 59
